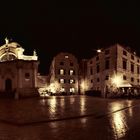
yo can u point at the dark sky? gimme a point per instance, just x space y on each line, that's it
52 26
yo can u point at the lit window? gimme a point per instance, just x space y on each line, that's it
66 56
72 90
71 72
72 81
62 89
62 81
61 72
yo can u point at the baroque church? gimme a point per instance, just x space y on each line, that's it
18 72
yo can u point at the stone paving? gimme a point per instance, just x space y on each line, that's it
69 118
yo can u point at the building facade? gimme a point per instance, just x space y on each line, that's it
18 72
113 68
64 74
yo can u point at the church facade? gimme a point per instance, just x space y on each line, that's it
18 72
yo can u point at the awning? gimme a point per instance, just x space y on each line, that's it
125 85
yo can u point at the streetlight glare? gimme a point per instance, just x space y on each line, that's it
99 51
117 80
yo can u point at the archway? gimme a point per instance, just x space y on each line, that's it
8 85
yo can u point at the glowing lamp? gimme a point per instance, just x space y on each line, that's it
117 80
98 51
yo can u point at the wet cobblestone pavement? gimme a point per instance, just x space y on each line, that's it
69 118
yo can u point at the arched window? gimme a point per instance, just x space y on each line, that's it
8 57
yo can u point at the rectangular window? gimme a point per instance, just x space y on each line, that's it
97 68
98 80
124 64
72 90
71 72
72 81
91 71
132 67
107 64
138 80
62 89
124 53
132 57
62 81
61 63
27 76
61 72
91 81
124 77
132 79
107 77
138 70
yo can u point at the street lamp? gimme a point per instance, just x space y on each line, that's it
98 50
116 79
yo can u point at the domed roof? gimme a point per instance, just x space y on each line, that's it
14 44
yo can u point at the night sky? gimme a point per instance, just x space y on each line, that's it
69 26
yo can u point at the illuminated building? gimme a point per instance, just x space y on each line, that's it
64 71
113 68
18 72
83 81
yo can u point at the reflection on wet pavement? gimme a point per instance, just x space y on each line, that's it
82 106
118 121
69 117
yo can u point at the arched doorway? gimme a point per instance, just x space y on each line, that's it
8 85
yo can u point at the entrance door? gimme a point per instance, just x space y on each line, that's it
8 85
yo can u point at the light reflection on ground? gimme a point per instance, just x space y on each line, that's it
70 117
118 118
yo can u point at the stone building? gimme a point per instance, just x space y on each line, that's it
64 74
18 72
113 68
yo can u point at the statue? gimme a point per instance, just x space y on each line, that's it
6 40
34 53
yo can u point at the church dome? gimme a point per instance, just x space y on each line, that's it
14 44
